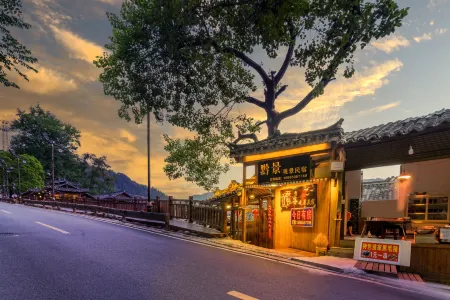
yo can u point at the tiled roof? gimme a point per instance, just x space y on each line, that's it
398 128
335 133
289 141
120 195
379 189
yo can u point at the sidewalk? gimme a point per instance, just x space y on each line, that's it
335 264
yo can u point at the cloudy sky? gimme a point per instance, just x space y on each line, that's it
398 77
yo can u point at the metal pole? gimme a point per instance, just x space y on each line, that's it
3 182
7 184
148 157
53 173
18 169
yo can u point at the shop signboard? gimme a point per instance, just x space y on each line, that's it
394 252
302 217
304 196
295 168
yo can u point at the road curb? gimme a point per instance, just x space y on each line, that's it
319 265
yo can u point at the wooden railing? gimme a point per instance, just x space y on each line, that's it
135 205
125 214
200 212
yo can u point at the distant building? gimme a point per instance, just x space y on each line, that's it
63 190
380 189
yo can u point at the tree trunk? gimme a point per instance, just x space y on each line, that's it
272 126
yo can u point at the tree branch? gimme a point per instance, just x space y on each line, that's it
302 104
285 64
260 123
324 81
289 54
255 101
247 60
280 91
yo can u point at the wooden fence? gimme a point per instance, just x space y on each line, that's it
200 212
134 205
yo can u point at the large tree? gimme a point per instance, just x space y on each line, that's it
37 128
31 172
98 176
13 55
189 62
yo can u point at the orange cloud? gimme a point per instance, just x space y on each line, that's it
390 43
424 37
379 108
128 135
46 81
77 47
342 90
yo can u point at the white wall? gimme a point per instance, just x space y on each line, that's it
432 177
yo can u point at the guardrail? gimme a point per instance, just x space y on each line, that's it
146 217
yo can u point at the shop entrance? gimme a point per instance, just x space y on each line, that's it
259 222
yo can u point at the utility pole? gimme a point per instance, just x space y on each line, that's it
148 157
53 171
13 153
7 183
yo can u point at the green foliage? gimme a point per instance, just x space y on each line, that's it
12 53
98 176
31 127
31 172
188 62
35 126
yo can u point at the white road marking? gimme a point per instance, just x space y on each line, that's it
51 227
6 212
240 295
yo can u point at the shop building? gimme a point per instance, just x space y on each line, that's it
292 188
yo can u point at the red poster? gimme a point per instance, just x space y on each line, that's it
380 251
303 217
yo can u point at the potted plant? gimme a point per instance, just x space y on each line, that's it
321 242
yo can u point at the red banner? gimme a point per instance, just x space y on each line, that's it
303 217
269 219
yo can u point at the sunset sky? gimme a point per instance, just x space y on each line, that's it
404 75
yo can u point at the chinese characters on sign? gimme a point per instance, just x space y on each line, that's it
296 168
380 251
302 217
269 219
304 196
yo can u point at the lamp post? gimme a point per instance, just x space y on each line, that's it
60 149
8 170
3 164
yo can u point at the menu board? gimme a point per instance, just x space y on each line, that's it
302 217
380 251
304 196
393 252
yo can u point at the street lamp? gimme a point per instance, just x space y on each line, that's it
13 153
51 142
3 165
8 170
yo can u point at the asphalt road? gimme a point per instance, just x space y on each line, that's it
78 258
